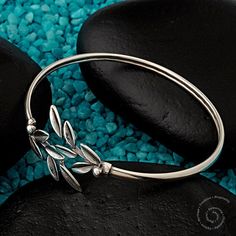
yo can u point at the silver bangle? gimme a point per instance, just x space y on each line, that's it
56 154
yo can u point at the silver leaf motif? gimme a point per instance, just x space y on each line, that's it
78 151
70 179
89 155
69 134
51 150
52 167
81 167
40 136
66 151
35 147
97 171
55 120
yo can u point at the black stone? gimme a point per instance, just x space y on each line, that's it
110 206
194 38
17 71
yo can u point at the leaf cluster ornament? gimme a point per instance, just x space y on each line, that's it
92 162
56 154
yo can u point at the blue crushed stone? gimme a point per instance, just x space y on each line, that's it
47 31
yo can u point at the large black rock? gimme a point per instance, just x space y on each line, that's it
17 71
110 206
194 38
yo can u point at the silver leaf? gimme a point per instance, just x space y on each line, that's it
70 179
89 155
97 171
40 136
52 167
51 150
55 120
78 151
69 134
66 151
81 167
35 147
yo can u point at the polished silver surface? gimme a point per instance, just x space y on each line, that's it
70 179
52 167
69 134
92 160
55 120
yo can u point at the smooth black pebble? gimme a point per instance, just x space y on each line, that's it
109 206
196 39
17 71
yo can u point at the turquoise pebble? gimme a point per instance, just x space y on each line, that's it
57 52
50 35
131 147
29 17
38 171
89 126
81 2
30 173
209 174
162 149
76 99
97 106
152 156
111 127
165 157
231 173
23 182
63 21
91 138
131 157
35 7
78 14
110 116
19 10
33 51
68 88
60 101
82 125
2 2
118 151
31 37
82 134
12 18
177 158
129 131
45 168
15 183
89 96
13 173
79 86
145 137
102 141
99 121
22 171
45 8
83 113
141 155
5 186
146 147
76 21
60 3
65 114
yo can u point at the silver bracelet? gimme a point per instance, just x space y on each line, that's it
56 154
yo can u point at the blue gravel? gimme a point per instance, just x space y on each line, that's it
47 30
